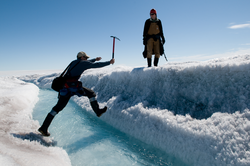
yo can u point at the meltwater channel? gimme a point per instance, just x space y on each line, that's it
90 141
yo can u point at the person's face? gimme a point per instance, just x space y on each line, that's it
153 16
83 58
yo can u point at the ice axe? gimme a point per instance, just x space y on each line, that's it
164 52
165 56
113 53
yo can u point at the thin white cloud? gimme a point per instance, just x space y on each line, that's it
240 26
247 44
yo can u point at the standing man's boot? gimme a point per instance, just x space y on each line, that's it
95 106
156 60
149 62
44 128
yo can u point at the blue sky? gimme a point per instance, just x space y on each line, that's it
47 34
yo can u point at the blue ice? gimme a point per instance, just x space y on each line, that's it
90 141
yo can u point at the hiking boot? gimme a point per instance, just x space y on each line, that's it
44 128
149 62
101 111
156 60
44 133
95 106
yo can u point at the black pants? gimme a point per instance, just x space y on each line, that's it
63 100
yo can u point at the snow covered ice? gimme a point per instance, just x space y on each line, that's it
196 111
17 128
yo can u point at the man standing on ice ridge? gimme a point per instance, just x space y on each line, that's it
153 38
74 87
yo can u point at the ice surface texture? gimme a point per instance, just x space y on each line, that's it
197 111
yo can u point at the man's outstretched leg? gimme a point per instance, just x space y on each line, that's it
62 102
93 102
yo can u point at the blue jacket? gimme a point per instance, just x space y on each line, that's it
82 66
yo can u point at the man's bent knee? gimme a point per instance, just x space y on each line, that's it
157 55
53 113
91 99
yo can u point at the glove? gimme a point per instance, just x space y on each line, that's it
163 40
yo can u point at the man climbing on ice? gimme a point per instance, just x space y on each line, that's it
74 87
153 38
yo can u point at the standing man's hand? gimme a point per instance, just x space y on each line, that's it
98 58
112 61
